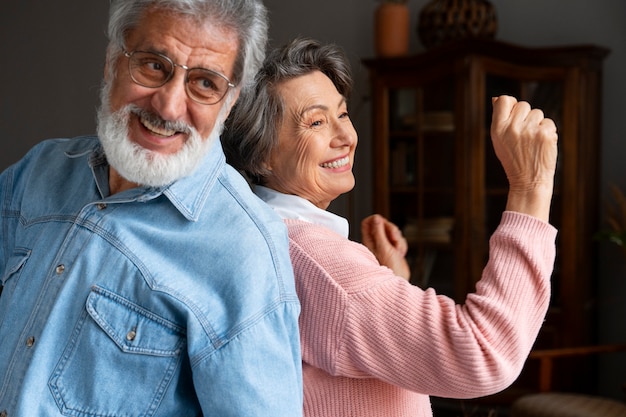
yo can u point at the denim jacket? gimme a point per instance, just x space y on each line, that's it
171 301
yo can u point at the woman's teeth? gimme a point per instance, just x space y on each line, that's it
156 129
336 164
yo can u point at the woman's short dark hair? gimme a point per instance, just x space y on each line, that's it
251 130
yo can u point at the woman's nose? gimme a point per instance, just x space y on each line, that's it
345 134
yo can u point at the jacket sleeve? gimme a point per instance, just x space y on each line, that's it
257 373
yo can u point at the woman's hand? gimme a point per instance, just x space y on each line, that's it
386 242
525 142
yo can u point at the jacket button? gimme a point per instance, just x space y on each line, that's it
29 343
130 336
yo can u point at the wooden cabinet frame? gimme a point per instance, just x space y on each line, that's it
471 66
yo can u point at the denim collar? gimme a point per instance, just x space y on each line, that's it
189 194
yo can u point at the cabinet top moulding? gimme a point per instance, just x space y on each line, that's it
560 56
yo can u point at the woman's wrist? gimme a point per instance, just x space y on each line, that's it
534 202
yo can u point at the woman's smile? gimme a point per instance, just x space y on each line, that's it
338 163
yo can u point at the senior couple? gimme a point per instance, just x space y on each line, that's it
142 277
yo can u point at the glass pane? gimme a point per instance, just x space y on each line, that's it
422 178
402 111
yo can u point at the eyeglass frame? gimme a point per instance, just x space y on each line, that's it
129 55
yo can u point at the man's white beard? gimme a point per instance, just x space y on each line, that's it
143 166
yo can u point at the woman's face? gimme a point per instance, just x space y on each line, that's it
316 142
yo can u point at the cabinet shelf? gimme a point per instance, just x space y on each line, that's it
428 135
497 191
413 189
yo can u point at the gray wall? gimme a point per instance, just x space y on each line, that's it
52 62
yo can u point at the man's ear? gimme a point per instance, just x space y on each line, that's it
107 65
235 98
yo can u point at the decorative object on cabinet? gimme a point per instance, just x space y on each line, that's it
442 21
547 403
436 175
391 28
558 404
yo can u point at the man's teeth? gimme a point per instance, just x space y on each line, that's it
156 129
336 164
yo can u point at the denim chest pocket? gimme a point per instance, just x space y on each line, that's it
11 275
119 361
14 267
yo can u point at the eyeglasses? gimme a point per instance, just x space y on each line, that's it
153 70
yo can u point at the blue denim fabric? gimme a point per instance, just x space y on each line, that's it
174 301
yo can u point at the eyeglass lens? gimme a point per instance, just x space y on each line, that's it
153 70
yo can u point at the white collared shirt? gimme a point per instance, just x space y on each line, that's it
289 206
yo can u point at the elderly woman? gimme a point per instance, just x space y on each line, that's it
292 135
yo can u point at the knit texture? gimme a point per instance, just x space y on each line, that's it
375 345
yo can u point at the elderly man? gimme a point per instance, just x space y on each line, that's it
140 276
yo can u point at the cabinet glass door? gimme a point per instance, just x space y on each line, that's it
422 178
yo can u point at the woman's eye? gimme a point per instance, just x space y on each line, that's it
344 115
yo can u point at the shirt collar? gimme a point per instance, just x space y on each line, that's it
189 194
289 206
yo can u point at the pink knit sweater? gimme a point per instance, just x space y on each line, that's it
375 345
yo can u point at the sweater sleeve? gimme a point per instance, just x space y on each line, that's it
359 320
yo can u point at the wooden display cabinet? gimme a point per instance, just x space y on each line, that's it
436 175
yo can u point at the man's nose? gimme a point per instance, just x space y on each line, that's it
171 99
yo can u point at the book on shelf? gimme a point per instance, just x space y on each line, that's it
429 230
431 121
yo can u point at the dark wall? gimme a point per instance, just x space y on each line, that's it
52 62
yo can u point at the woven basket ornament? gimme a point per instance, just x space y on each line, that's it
441 21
